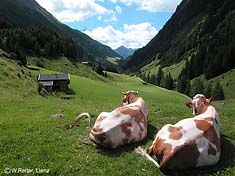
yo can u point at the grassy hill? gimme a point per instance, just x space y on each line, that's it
226 79
64 65
31 139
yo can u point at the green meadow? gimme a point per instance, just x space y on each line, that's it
31 139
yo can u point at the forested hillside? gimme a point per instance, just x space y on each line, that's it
39 41
28 28
202 32
200 35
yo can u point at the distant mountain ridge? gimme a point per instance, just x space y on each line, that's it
28 13
125 52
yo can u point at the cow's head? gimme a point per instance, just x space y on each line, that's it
199 104
129 97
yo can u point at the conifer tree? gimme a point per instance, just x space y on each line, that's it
37 48
188 88
170 83
182 81
152 79
159 76
184 77
1 44
200 86
148 77
163 82
20 54
218 92
99 70
143 77
208 90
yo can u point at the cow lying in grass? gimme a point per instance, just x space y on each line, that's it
124 125
191 142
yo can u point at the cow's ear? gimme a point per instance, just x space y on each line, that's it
209 100
189 104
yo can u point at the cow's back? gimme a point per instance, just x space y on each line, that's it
124 125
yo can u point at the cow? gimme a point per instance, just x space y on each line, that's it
192 142
124 125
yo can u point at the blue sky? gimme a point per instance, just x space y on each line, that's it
131 23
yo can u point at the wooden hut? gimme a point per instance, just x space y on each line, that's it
54 82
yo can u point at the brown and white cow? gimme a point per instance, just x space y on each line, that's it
192 142
125 124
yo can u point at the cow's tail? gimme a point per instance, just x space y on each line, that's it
79 117
143 152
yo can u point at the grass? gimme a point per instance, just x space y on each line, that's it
226 80
66 66
113 60
31 139
174 70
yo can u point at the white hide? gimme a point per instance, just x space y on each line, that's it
191 133
111 121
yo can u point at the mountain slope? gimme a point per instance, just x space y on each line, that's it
28 13
125 52
202 31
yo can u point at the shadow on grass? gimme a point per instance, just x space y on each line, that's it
67 94
152 131
70 91
227 161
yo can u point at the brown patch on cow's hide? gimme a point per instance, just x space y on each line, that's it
184 156
211 136
133 99
140 119
175 133
136 113
162 150
126 129
211 150
202 125
127 111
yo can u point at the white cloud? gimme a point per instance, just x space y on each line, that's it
71 10
118 9
132 36
114 1
154 5
78 10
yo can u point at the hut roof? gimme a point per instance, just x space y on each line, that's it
52 77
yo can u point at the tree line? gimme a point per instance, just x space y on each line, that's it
183 84
38 41
160 79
